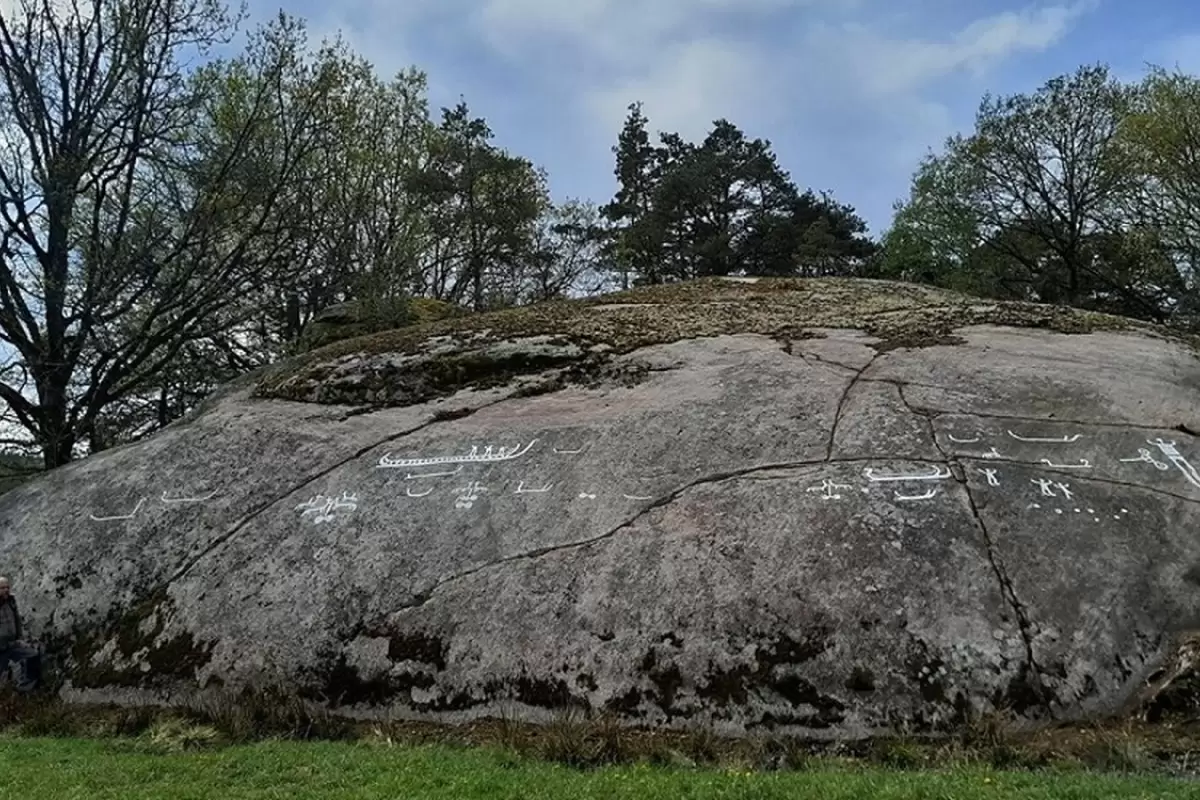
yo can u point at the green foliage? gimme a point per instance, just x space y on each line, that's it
721 207
1077 194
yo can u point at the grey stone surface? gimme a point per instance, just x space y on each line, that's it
822 537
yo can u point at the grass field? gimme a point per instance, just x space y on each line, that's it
140 767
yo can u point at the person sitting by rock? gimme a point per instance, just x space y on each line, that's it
12 648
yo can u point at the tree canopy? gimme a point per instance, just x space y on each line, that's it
721 207
1080 193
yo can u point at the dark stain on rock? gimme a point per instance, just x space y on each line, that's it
585 681
861 680
828 711
450 414
176 657
733 685
344 685
418 646
1025 694
786 650
773 671
457 701
1123 669
1192 575
926 671
541 693
727 686
627 703
667 681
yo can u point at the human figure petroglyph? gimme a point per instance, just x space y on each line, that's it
323 507
1148 457
114 518
990 475
202 499
937 474
1172 453
1048 486
489 454
1047 440
830 488
1045 484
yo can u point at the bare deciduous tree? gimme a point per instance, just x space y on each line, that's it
120 186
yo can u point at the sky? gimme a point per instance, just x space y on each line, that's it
851 93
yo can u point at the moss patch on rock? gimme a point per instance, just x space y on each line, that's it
416 364
129 650
352 319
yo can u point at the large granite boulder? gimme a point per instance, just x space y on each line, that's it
827 507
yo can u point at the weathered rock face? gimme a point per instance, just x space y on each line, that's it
814 525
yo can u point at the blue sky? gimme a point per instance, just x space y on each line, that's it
851 92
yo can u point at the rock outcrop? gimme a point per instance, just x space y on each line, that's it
350 319
826 507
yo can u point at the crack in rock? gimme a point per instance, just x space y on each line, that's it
806 356
1075 474
422 597
939 412
1009 593
257 512
841 406
929 415
1007 590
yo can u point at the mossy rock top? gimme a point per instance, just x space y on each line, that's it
352 319
417 363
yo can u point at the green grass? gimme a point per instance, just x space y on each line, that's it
141 768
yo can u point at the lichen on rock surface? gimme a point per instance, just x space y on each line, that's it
830 508
418 363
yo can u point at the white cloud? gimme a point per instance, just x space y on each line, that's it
691 85
828 69
883 64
